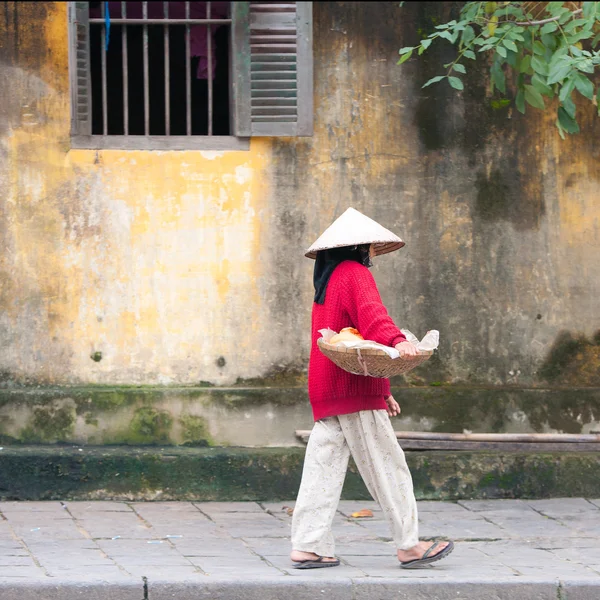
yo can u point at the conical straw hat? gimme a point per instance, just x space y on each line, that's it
354 228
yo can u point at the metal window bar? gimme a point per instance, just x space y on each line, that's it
146 76
145 21
209 72
104 85
167 74
125 71
188 73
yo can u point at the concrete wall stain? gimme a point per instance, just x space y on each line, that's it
167 262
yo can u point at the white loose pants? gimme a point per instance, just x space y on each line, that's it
369 436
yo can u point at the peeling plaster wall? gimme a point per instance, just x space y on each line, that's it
182 267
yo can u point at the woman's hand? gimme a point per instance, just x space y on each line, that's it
393 408
407 349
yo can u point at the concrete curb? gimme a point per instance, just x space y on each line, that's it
305 588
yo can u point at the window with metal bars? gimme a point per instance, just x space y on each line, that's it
185 75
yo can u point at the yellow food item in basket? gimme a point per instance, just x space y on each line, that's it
348 334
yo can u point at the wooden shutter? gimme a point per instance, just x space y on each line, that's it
273 68
79 68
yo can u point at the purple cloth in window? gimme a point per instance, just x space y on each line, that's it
198 33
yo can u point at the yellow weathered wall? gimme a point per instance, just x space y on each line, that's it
167 261
146 257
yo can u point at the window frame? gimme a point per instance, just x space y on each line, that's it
243 67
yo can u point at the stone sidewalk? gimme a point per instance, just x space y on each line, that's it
521 549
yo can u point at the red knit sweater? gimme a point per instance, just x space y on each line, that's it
351 300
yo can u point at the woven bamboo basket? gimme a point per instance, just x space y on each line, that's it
371 362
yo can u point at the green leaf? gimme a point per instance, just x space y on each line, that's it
468 35
406 49
533 97
456 83
584 86
459 68
448 36
539 66
554 7
501 51
426 43
567 122
587 66
405 57
559 72
569 107
549 28
510 45
525 64
539 48
575 51
549 41
498 77
541 86
589 9
582 35
469 54
558 56
520 102
434 80
567 88
574 24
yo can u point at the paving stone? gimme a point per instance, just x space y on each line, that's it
31 507
98 573
212 548
16 561
496 505
270 546
126 547
38 530
559 507
22 571
440 508
178 573
366 548
97 506
228 507
533 525
162 508
475 527
589 556
136 560
207 563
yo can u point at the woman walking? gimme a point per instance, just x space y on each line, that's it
351 412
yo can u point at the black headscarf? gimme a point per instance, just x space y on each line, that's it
328 260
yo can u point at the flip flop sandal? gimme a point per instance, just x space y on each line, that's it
426 559
315 563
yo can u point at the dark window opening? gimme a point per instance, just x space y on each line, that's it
158 52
